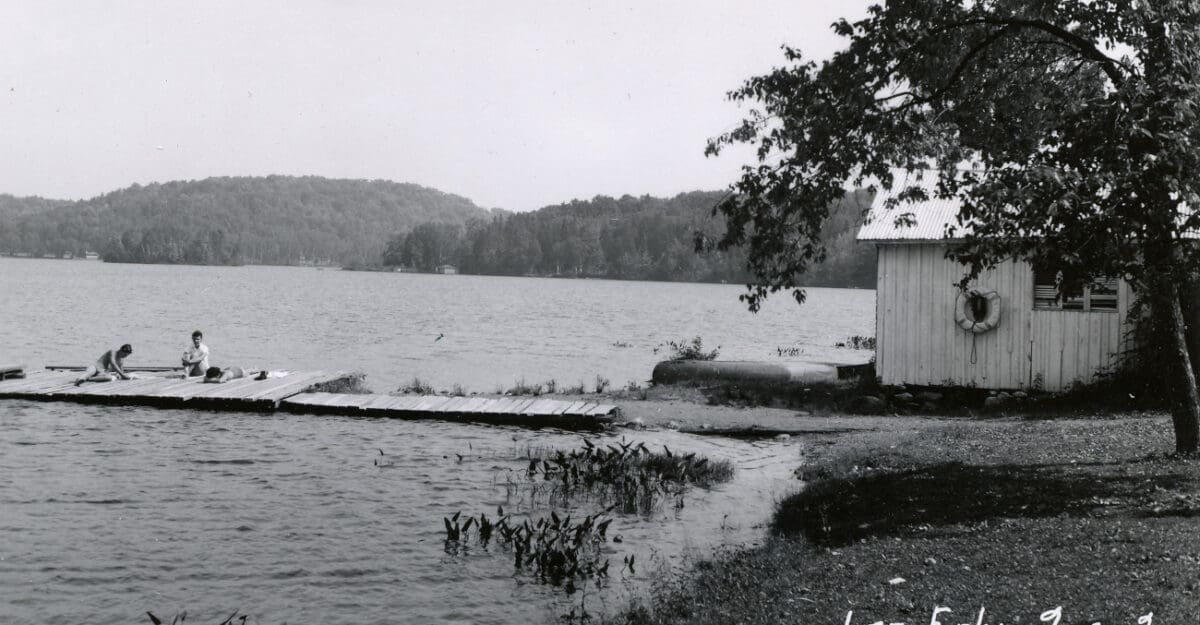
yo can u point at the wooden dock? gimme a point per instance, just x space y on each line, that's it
531 411
169 392
299 392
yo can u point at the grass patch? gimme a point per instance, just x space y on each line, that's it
522 388
1107 397
578 389
1017 517
417 387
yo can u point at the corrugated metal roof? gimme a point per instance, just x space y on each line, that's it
929 218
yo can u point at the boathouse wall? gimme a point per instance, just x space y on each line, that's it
918 341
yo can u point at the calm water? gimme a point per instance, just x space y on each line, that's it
496 331
107 512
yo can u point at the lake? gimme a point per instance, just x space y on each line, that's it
107 512
496 331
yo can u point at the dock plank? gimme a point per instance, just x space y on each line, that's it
478 405
501 405
270 384
274 386
374 401
118 387
520 406
404 402
34 381
164 390
541 407
300 384
454 405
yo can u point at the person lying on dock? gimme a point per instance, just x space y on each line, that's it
110 366
195 358
217 375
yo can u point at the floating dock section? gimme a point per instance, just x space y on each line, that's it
300 392
534 411
169 392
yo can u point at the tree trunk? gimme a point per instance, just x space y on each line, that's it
1186 411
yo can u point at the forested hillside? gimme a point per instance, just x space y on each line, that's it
289 220
642 238
12 207
271 220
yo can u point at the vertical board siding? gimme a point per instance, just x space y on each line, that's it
919 343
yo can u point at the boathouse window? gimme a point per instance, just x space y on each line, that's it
1100 296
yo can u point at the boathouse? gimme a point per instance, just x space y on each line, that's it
1009 330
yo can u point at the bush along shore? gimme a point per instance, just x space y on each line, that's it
985 521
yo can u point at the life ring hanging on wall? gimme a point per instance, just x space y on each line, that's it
977 310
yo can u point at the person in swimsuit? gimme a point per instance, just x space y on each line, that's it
217 375
110 366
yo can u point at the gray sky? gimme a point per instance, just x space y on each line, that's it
513 104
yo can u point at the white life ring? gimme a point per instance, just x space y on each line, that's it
965 314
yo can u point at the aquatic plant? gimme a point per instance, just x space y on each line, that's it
180 617
384 460
623 476
553 549
857 342
458 391
684 350
551 386
417 387
524 389
601 384
578 389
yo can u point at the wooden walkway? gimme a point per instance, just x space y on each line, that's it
535 411
168 392
290 393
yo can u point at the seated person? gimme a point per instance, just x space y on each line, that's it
217 375
110 366
195 358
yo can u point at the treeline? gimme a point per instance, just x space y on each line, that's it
12 207
291 220
271 220
642 238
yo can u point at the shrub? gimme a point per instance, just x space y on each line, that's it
857 342
417 387
683 350
525 389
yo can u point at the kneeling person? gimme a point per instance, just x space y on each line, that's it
110 366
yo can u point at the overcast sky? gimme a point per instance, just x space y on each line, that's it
512 104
